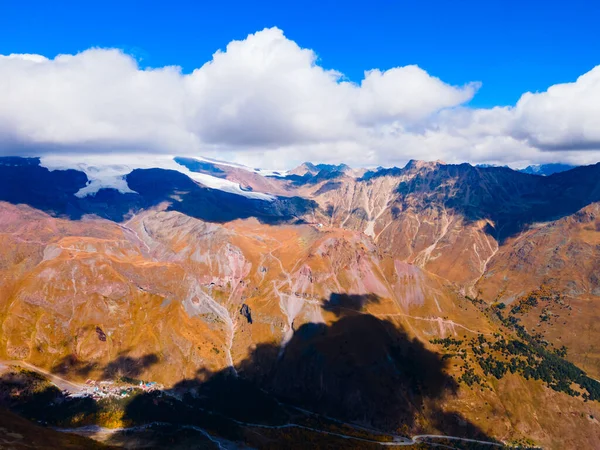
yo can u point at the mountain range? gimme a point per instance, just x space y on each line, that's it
538 169
429 304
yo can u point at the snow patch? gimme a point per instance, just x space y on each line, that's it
263 172
105 172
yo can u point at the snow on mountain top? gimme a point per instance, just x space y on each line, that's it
263 172
105 172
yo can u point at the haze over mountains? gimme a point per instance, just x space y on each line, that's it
429 299
539 169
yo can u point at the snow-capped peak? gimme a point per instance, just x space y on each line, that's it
263 172
110 171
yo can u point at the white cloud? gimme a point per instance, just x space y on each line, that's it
406 94
98 98
266 101
566 116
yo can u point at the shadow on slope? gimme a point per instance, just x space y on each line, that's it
511 200
31 395
122 366
359 369
17 433
341 304
23 180
211 205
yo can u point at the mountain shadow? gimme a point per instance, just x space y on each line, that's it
511 200
358 370
72 365
24 181
17 433
341 304
32 396
123 366
157 185
360 377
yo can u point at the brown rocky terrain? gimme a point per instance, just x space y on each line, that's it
360 295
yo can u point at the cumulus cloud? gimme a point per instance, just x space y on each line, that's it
95 99
266 101
566 116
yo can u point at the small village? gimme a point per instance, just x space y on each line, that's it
104 389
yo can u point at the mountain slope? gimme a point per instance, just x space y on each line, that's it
390 298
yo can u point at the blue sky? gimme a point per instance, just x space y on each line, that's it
510 46
498 82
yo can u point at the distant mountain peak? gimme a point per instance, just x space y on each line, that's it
314 169
546 169
419 164
303 169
